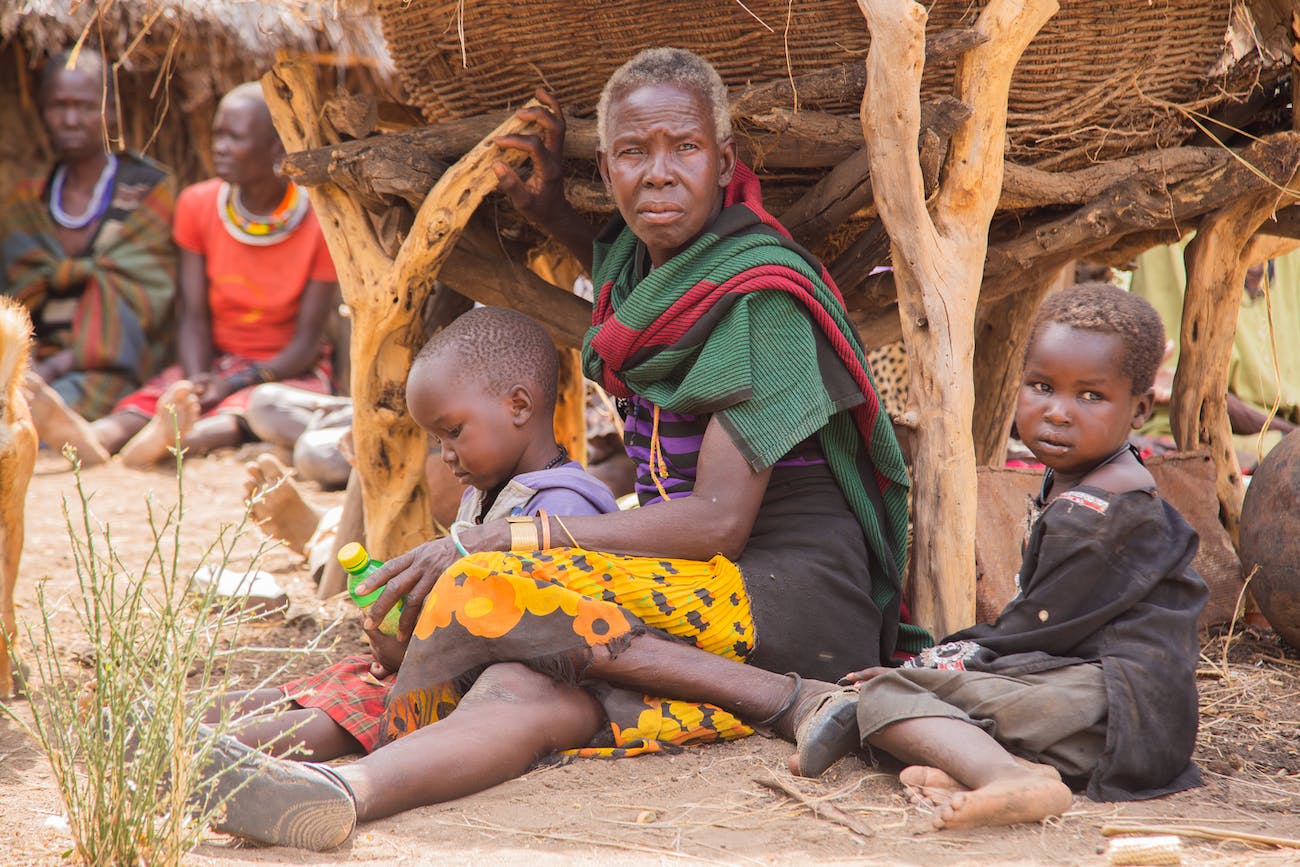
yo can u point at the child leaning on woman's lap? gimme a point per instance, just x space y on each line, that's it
485 388
1086 680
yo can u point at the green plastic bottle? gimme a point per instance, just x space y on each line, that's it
357 563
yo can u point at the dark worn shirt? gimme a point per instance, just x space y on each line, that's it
1108 578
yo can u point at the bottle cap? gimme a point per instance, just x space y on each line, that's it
353 556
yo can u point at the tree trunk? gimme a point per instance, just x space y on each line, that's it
1216 272
394 492
385 297
938 263
1001 338
561 270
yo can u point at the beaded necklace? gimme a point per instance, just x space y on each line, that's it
558 459
98 198
257 229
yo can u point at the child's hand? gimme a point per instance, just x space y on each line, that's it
389 653
863 676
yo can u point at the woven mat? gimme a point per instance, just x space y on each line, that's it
1097 82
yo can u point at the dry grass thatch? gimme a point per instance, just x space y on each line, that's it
141 34
1104 77
172 60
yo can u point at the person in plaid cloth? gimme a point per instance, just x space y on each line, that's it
485 386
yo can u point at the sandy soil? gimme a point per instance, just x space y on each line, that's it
704 805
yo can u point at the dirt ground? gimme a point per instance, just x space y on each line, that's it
705 805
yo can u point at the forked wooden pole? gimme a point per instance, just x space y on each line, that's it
938 257
385 297
1216 272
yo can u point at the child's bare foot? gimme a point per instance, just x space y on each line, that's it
177 411
929 786
276 503
58 424
933 787
1021 795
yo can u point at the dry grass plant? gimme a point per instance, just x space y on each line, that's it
124 740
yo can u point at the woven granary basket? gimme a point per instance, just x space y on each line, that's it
1100 79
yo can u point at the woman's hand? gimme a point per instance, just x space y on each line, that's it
411 575
540 198
56 366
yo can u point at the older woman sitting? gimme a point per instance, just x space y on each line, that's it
772 526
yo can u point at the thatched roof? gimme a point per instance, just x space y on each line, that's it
1103 78
208 34
174 59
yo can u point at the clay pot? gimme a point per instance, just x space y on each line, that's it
1270 537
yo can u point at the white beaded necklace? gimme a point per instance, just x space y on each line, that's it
98 197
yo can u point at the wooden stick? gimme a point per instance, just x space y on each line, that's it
829 812
1202 832
938 252
844 82
1215 272
448 207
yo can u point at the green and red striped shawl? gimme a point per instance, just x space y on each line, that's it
696 335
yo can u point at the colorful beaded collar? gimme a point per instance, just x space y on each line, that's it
261 230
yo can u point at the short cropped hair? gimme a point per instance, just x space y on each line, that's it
251 91
675 66
497 348
1108 309
90 62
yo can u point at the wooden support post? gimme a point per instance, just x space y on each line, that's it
363 269
1216 272
571 406
846 189
391 448
938 263
1001 338
559 268
385 297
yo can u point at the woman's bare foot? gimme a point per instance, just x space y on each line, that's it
932 787
276 503
175 415
58 424
1018 796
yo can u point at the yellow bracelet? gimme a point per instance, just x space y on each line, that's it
523 533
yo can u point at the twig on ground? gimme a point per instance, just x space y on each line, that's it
481 825
1202 832
819 808
1237 612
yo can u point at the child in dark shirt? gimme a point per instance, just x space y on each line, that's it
1087 677
485 387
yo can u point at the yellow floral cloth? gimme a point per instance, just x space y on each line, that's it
549 609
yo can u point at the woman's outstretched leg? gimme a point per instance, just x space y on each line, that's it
509 719
685 672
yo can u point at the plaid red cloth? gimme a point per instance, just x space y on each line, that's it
145 399
350 694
